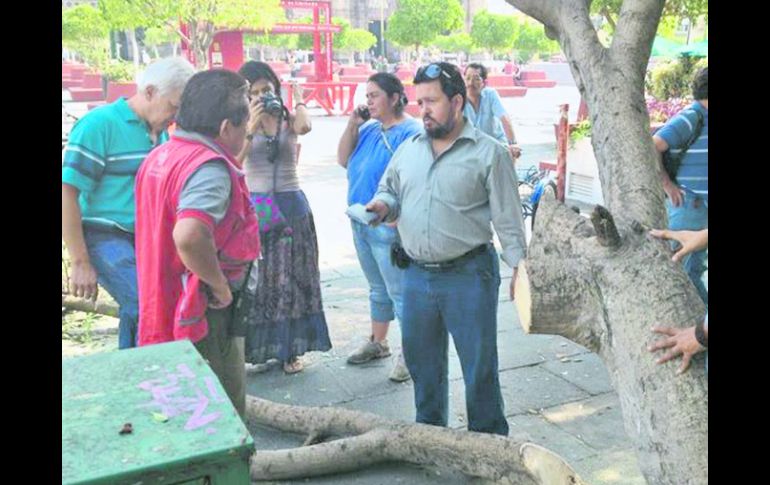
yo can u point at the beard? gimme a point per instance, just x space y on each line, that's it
440 131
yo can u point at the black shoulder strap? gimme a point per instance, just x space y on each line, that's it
672 163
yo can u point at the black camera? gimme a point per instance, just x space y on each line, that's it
272 104
363 112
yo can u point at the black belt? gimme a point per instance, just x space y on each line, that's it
452 263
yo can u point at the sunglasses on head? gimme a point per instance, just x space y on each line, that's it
431 72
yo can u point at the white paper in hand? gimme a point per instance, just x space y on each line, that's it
358 213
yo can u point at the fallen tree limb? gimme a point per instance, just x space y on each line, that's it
102 307
376 439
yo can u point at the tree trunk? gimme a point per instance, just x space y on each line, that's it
603 284
377 440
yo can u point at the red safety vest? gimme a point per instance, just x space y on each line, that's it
172 299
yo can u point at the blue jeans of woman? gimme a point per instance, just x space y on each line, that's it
113 256
373 250
461 301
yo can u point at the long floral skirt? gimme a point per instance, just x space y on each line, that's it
287 319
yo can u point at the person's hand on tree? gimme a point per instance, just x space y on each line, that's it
690 241
680 342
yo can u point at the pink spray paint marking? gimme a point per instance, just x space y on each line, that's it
166 396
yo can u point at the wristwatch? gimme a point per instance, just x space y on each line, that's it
250 136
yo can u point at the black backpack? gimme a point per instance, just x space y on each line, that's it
671 163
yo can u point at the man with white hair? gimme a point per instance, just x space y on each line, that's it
104 152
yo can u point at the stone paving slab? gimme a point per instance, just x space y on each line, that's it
586 370
610 468
597 421
543 433
396 404
532 388
315 386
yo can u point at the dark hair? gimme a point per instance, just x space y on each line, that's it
391 85
211 97
451 84
700 84
482 70
253 71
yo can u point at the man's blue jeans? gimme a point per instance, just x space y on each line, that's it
692 215
113 256
461 301
373 250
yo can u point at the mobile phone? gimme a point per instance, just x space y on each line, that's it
363 112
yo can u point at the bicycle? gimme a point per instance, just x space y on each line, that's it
532 185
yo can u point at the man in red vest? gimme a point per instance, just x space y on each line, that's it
196 232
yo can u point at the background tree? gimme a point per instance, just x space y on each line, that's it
494 33
531 40
154 37
358 40
460 43
203 18
418 22
673 10
338 38
273 41
85 31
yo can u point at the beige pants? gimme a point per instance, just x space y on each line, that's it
226 356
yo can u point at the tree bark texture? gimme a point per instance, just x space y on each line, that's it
604 289
604 282
376 439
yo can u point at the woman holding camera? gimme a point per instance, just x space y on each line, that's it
287 318
365 150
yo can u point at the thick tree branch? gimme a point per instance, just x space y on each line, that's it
632 42
504 460
339 456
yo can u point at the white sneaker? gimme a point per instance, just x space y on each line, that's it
400 373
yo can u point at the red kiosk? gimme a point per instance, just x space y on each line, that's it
334 97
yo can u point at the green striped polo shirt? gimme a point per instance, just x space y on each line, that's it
104 152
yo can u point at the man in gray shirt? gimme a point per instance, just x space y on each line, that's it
444 187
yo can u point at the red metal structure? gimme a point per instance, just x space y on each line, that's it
227 47
334 97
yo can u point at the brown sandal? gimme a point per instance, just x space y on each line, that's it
293 366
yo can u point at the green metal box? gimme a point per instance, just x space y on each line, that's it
184 428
